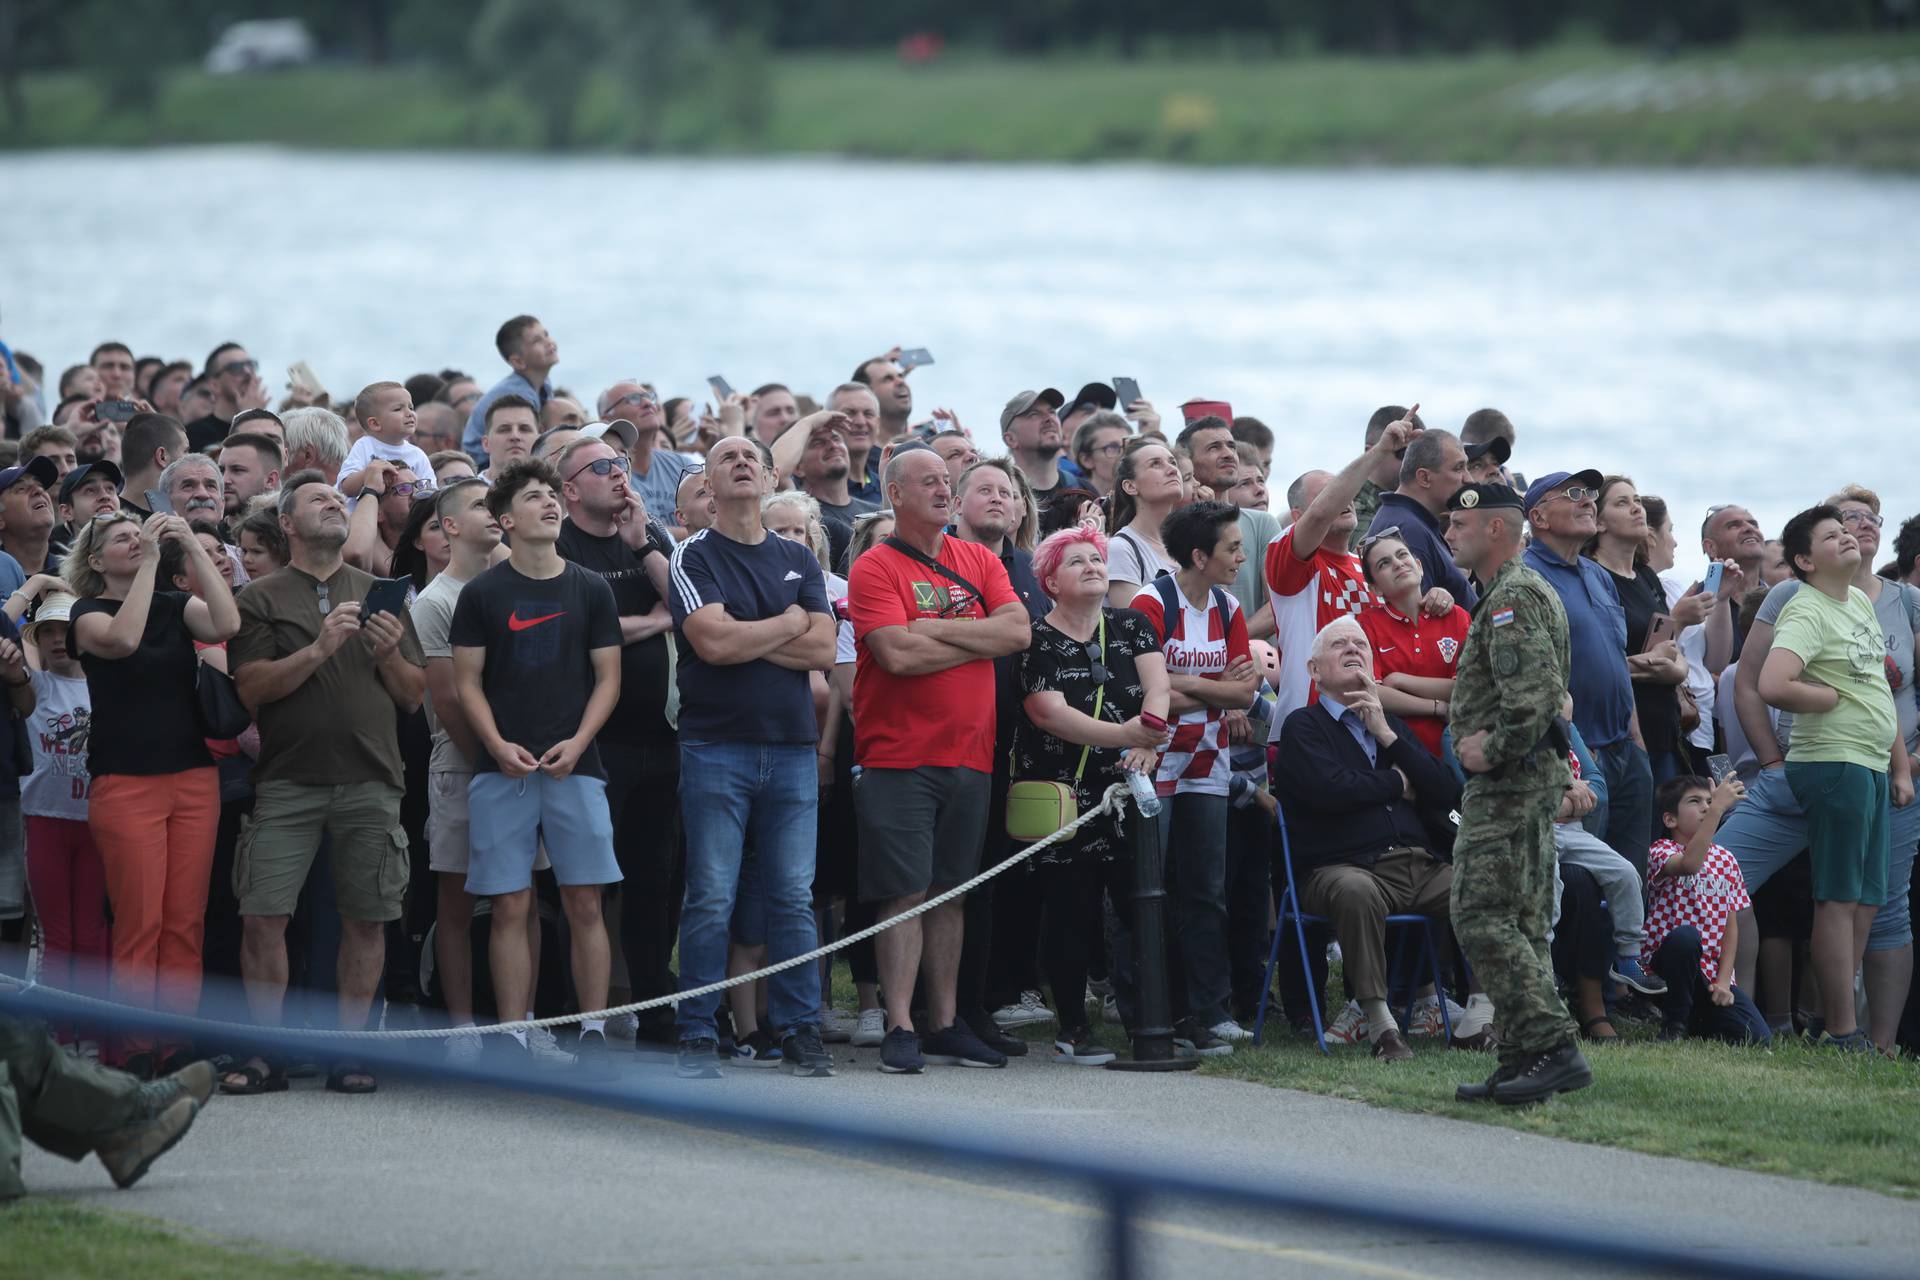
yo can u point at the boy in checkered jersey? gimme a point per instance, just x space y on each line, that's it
1694 891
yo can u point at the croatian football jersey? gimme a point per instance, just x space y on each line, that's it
1197 640
1307 595
1704 900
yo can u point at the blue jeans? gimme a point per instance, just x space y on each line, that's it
1625 818
732 793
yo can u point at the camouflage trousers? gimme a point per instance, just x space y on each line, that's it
1502 908
61 1102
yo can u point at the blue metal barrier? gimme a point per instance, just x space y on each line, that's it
1125 1190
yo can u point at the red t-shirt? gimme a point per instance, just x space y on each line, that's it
1417 646
944 719
1307 595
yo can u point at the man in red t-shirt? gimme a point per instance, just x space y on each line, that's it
930 613
1312 576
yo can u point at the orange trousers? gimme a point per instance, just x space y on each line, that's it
155 835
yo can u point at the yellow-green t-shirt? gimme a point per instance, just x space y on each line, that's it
1842 647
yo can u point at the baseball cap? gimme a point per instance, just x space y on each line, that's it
1472 497
1497 446
1095 395
55 606
80 474
1026 400
41 469
1538 491
619 428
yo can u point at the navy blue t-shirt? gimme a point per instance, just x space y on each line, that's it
748 701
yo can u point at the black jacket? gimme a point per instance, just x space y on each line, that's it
1340 809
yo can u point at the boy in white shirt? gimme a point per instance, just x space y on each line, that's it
384 411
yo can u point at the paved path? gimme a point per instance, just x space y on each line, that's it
478 1183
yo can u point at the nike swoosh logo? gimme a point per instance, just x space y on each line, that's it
517 623
1385 648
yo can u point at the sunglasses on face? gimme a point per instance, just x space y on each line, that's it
240 366
605 466
1577 493
413 488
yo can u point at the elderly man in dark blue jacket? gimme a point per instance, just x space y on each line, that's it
1368 819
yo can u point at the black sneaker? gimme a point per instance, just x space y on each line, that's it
1672 1031
957 1046
1199 1040
699 1059
755 1049
591 1056
1078 1047
900 1053
981 1023
801 1049
1482 1090
1558 1070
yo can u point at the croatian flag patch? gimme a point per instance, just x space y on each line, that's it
1501 617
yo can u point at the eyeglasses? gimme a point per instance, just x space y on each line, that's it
1098 668
1366 543
1109 450
605 466
1576 493
1862 519
413 488
632 397
466 401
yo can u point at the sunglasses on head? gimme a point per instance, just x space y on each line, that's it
605 466
1366 543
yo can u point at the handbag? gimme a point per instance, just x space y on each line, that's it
222 714
1036 807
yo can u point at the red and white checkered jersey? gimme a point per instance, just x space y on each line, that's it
1307 595
1197 641
1704 900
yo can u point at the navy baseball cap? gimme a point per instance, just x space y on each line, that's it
1473 497
41 469
1095 395
1540 489
78 476
1497 446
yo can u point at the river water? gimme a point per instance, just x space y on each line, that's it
1719 336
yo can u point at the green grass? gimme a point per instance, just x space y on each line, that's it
1793 1110
1768 101
42 1239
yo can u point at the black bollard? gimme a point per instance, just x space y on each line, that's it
1153 1048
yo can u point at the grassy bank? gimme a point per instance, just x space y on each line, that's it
1793 1110
1837 101
46 1239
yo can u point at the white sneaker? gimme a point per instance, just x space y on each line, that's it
1024 1012
624 1026
1426 1018
1473 1019
872 1029
545 1049
1110 1011
463 1051
1350 1027
837 1026
1231 1031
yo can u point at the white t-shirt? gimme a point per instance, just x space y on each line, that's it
58 729
1700 682
407 453
1130 559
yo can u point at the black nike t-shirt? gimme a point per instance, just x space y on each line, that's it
538 634
641 717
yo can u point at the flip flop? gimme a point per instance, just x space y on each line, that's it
1586 1030
338 1078
258 1075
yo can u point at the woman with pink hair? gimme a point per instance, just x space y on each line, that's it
1094 689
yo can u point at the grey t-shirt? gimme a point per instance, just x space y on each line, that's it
1898 610
432 620
1257 530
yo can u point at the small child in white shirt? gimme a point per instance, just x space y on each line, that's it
384 411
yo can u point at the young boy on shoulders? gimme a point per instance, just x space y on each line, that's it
384 411
1694 891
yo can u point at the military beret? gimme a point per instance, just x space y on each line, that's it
1475 496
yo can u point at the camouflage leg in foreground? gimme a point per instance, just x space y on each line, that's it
1502 903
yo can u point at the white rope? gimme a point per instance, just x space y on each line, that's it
1114 801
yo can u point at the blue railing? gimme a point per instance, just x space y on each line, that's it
1124 1190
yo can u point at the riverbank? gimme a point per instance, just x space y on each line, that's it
1832 102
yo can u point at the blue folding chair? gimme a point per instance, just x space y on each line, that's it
1290 913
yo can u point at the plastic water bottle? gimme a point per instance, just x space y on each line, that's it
1143 796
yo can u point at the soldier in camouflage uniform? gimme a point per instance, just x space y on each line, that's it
1511 682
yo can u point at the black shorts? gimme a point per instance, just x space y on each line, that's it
920 829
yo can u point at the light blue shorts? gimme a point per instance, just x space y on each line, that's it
509 818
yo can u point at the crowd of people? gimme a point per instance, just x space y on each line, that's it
456 692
